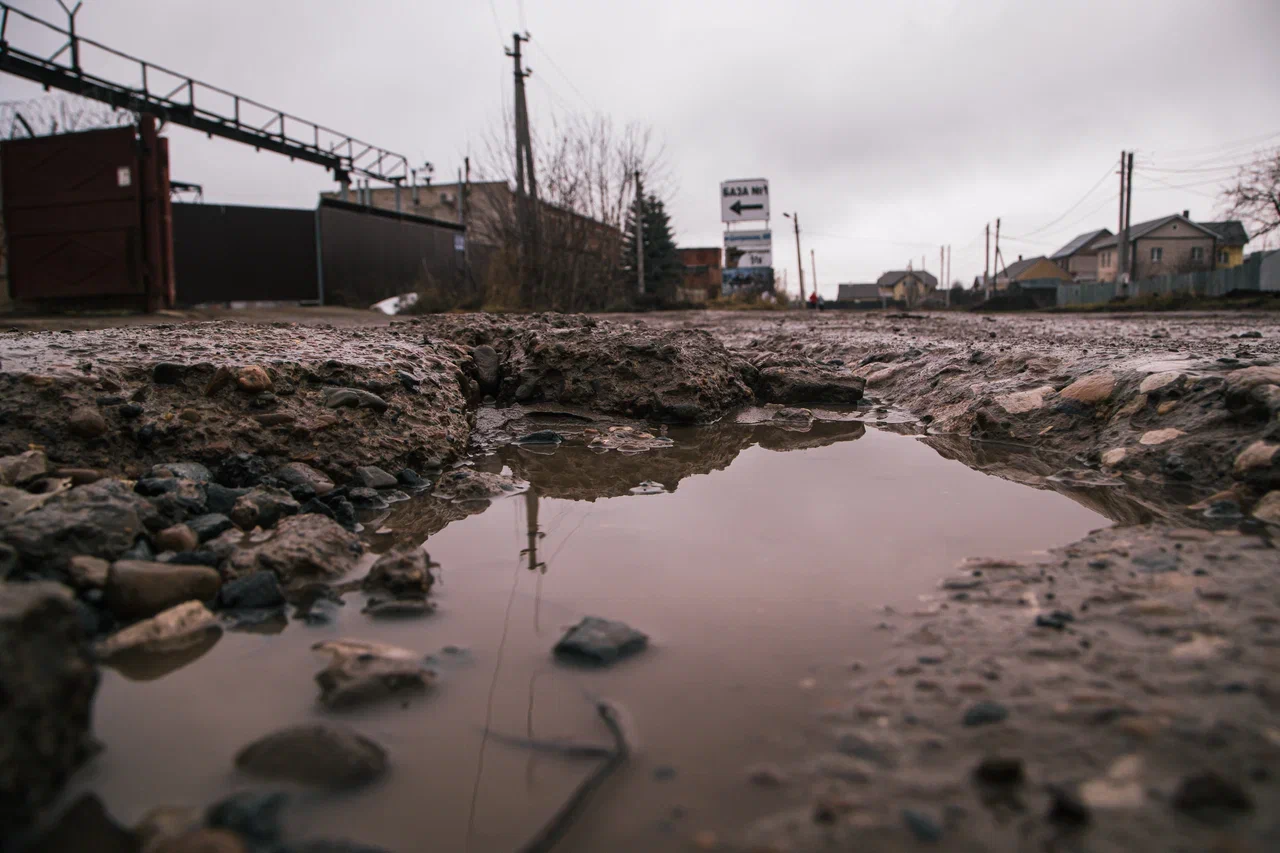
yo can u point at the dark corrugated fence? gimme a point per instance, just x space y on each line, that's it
230 253
370 254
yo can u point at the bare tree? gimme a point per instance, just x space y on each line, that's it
58 114
586 168
1255 196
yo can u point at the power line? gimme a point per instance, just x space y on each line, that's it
1091 191
561 72
497 23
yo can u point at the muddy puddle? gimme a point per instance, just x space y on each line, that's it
758 561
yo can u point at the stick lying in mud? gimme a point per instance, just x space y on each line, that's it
563 819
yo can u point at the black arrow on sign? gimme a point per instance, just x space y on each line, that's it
737 207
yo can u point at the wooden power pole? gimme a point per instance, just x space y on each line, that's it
795 219
986 267
1122 236
813 265
1128 216
526 194
639 235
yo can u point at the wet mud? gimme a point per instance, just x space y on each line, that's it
776 502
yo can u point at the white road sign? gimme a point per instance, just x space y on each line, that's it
744 200
749 241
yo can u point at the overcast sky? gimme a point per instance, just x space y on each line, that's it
891 127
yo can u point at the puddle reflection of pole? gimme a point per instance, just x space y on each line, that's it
534 534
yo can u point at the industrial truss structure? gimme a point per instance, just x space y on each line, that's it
177 98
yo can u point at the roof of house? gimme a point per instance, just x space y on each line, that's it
1013 270
1079 243
1144 228
1230 233
858 291
892 277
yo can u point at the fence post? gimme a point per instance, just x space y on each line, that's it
319 261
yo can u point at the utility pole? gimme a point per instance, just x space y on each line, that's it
1122 242
795 219
813 265
639 235
986 267
1128 216
526 197
997 255
947 280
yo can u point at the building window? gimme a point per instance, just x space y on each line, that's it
1197 253
1157 254
1222 256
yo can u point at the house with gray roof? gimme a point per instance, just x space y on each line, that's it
859 294
1232 238
1169 245
1079 258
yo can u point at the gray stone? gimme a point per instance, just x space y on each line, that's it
985 713
136 589
209 525
356 399
172 630
300 473
101 519
374 477
252 814
253 591
23 468
182 470
360 672
324 755
924 827
47 679
220 499
87 422
263 506
179 537
488 367
600 641
1211 798
402 571
302 547
1155 562
168 373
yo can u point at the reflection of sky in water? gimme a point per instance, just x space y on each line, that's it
755 572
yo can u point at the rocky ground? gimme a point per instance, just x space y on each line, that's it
160 480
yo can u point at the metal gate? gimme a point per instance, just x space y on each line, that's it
87 217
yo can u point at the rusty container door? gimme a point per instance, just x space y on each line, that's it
74 214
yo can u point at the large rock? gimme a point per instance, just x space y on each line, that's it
488 367
263 507
47 682
320 754
300 473
360 672
808 384
23 468
402 571
137 589
1092 389
101 519
173 630
302 547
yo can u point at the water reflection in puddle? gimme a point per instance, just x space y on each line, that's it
757 574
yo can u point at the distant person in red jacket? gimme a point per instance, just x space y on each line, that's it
813 300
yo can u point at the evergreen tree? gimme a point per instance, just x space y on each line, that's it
662 267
